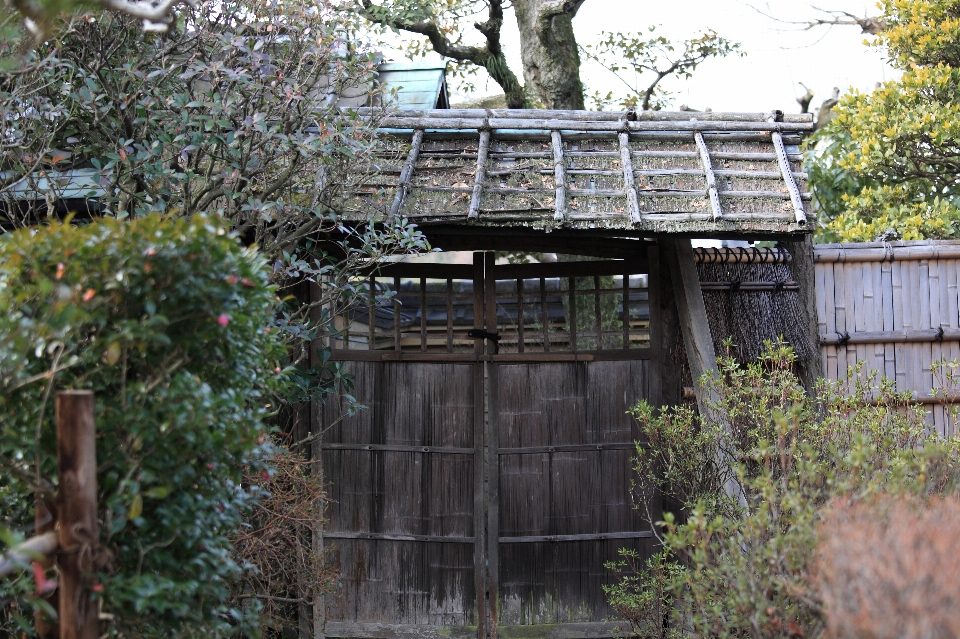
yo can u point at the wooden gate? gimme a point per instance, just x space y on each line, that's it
481 492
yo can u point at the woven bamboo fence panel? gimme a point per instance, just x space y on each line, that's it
894 307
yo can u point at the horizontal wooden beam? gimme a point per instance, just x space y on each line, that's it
886 253
530 539
570 448
581 115
391 448
375 536
558 124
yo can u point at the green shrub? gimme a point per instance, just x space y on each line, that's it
744 571
169 322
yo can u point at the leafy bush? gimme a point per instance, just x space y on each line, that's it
887 161
745 569
170 323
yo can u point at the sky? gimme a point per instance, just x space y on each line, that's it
778 56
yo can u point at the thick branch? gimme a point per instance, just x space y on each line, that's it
490 57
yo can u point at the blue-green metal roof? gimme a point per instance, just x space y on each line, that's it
418 85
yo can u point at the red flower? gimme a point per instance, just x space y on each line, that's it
223 319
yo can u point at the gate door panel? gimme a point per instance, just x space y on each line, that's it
402 521
489 480
562 439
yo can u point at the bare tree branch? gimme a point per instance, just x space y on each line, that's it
868 24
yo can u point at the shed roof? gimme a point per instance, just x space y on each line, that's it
642 172
418 85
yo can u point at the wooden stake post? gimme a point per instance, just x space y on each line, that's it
77 506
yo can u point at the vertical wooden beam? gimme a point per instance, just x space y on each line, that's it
544 315
696 331
629 184
657 346
423 315
626 309
572 320
372 314
520 318
597 320
406 173
396 314
802 269
449 315
479 440
480 176
560 178
492 444
77 510
317 409
708 173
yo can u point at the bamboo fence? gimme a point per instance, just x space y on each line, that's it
894 308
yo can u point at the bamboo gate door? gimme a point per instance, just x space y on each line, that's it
481 492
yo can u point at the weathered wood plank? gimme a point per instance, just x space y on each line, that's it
629 183
709 175
480 175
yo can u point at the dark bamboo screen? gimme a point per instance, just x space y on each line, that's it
566 307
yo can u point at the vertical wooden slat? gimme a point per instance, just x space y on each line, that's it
572 320
423 315
656 326
77 512
629 184
492 444
372 314
626 311
520 317
317 430
544 315
560 178
479 439
406 173
481 174
597 320
449 315
709 175
396 313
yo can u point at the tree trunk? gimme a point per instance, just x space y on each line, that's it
548 47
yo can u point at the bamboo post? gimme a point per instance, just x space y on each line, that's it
708 173
77 506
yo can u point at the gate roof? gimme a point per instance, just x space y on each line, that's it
699 173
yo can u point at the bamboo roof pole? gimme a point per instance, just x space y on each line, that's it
480 176
405 175
629 184
786 171
708 173
560 178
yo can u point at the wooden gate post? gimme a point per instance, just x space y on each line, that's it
697 339
77 506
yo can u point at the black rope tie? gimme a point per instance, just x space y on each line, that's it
735 286
479 333
939 336
842 338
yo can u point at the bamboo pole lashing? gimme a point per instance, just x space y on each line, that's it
708 174
580 115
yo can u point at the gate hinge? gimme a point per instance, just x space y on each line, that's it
479 333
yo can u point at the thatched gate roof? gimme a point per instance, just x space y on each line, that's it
641 173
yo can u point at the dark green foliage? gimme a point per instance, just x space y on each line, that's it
169 322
